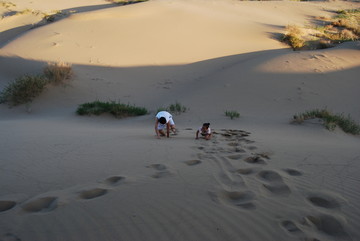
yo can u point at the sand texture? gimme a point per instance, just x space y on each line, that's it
70 177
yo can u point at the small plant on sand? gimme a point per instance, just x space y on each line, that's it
345 26
232 114
177 108
23 90
57 72
117 109
330 120
293 37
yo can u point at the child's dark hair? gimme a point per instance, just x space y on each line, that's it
206 124
162 120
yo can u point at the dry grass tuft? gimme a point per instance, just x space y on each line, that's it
58 72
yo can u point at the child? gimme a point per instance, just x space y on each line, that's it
164 120
205 131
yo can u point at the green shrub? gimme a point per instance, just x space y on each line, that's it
117 109
232 114
23 90
330 120
177 108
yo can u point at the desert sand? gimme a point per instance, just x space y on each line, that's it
70 177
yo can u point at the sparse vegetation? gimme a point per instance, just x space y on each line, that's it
330 120
293 37
345 26
176 108
117 109
58 72
25 88
232 114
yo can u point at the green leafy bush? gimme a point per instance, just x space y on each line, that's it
117 109
232 114
330 120
23 90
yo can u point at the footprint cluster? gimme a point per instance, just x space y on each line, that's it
45 203
239 161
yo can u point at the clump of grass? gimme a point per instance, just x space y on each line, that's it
23 90
330 120
176 108
293 37
232 114
117 109
345 26
57 72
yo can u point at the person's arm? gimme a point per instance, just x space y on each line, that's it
168 129
197 134
156 128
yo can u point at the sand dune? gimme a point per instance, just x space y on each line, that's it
66 177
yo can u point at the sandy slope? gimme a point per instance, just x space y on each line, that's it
65 177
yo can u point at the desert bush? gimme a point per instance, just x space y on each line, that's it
23 90
232 114
117 109
293 37
57 72
177 108
330 120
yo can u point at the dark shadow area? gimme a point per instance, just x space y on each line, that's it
239 79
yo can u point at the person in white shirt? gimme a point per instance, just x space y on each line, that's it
163 121
205 131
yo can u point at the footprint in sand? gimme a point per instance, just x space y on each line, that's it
6 205
162 170
290 226
292 172
114 180
9 237
273 182
192 162
92 193
255 160
236 157
246 171
241 199
44 204
327 224
323 201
